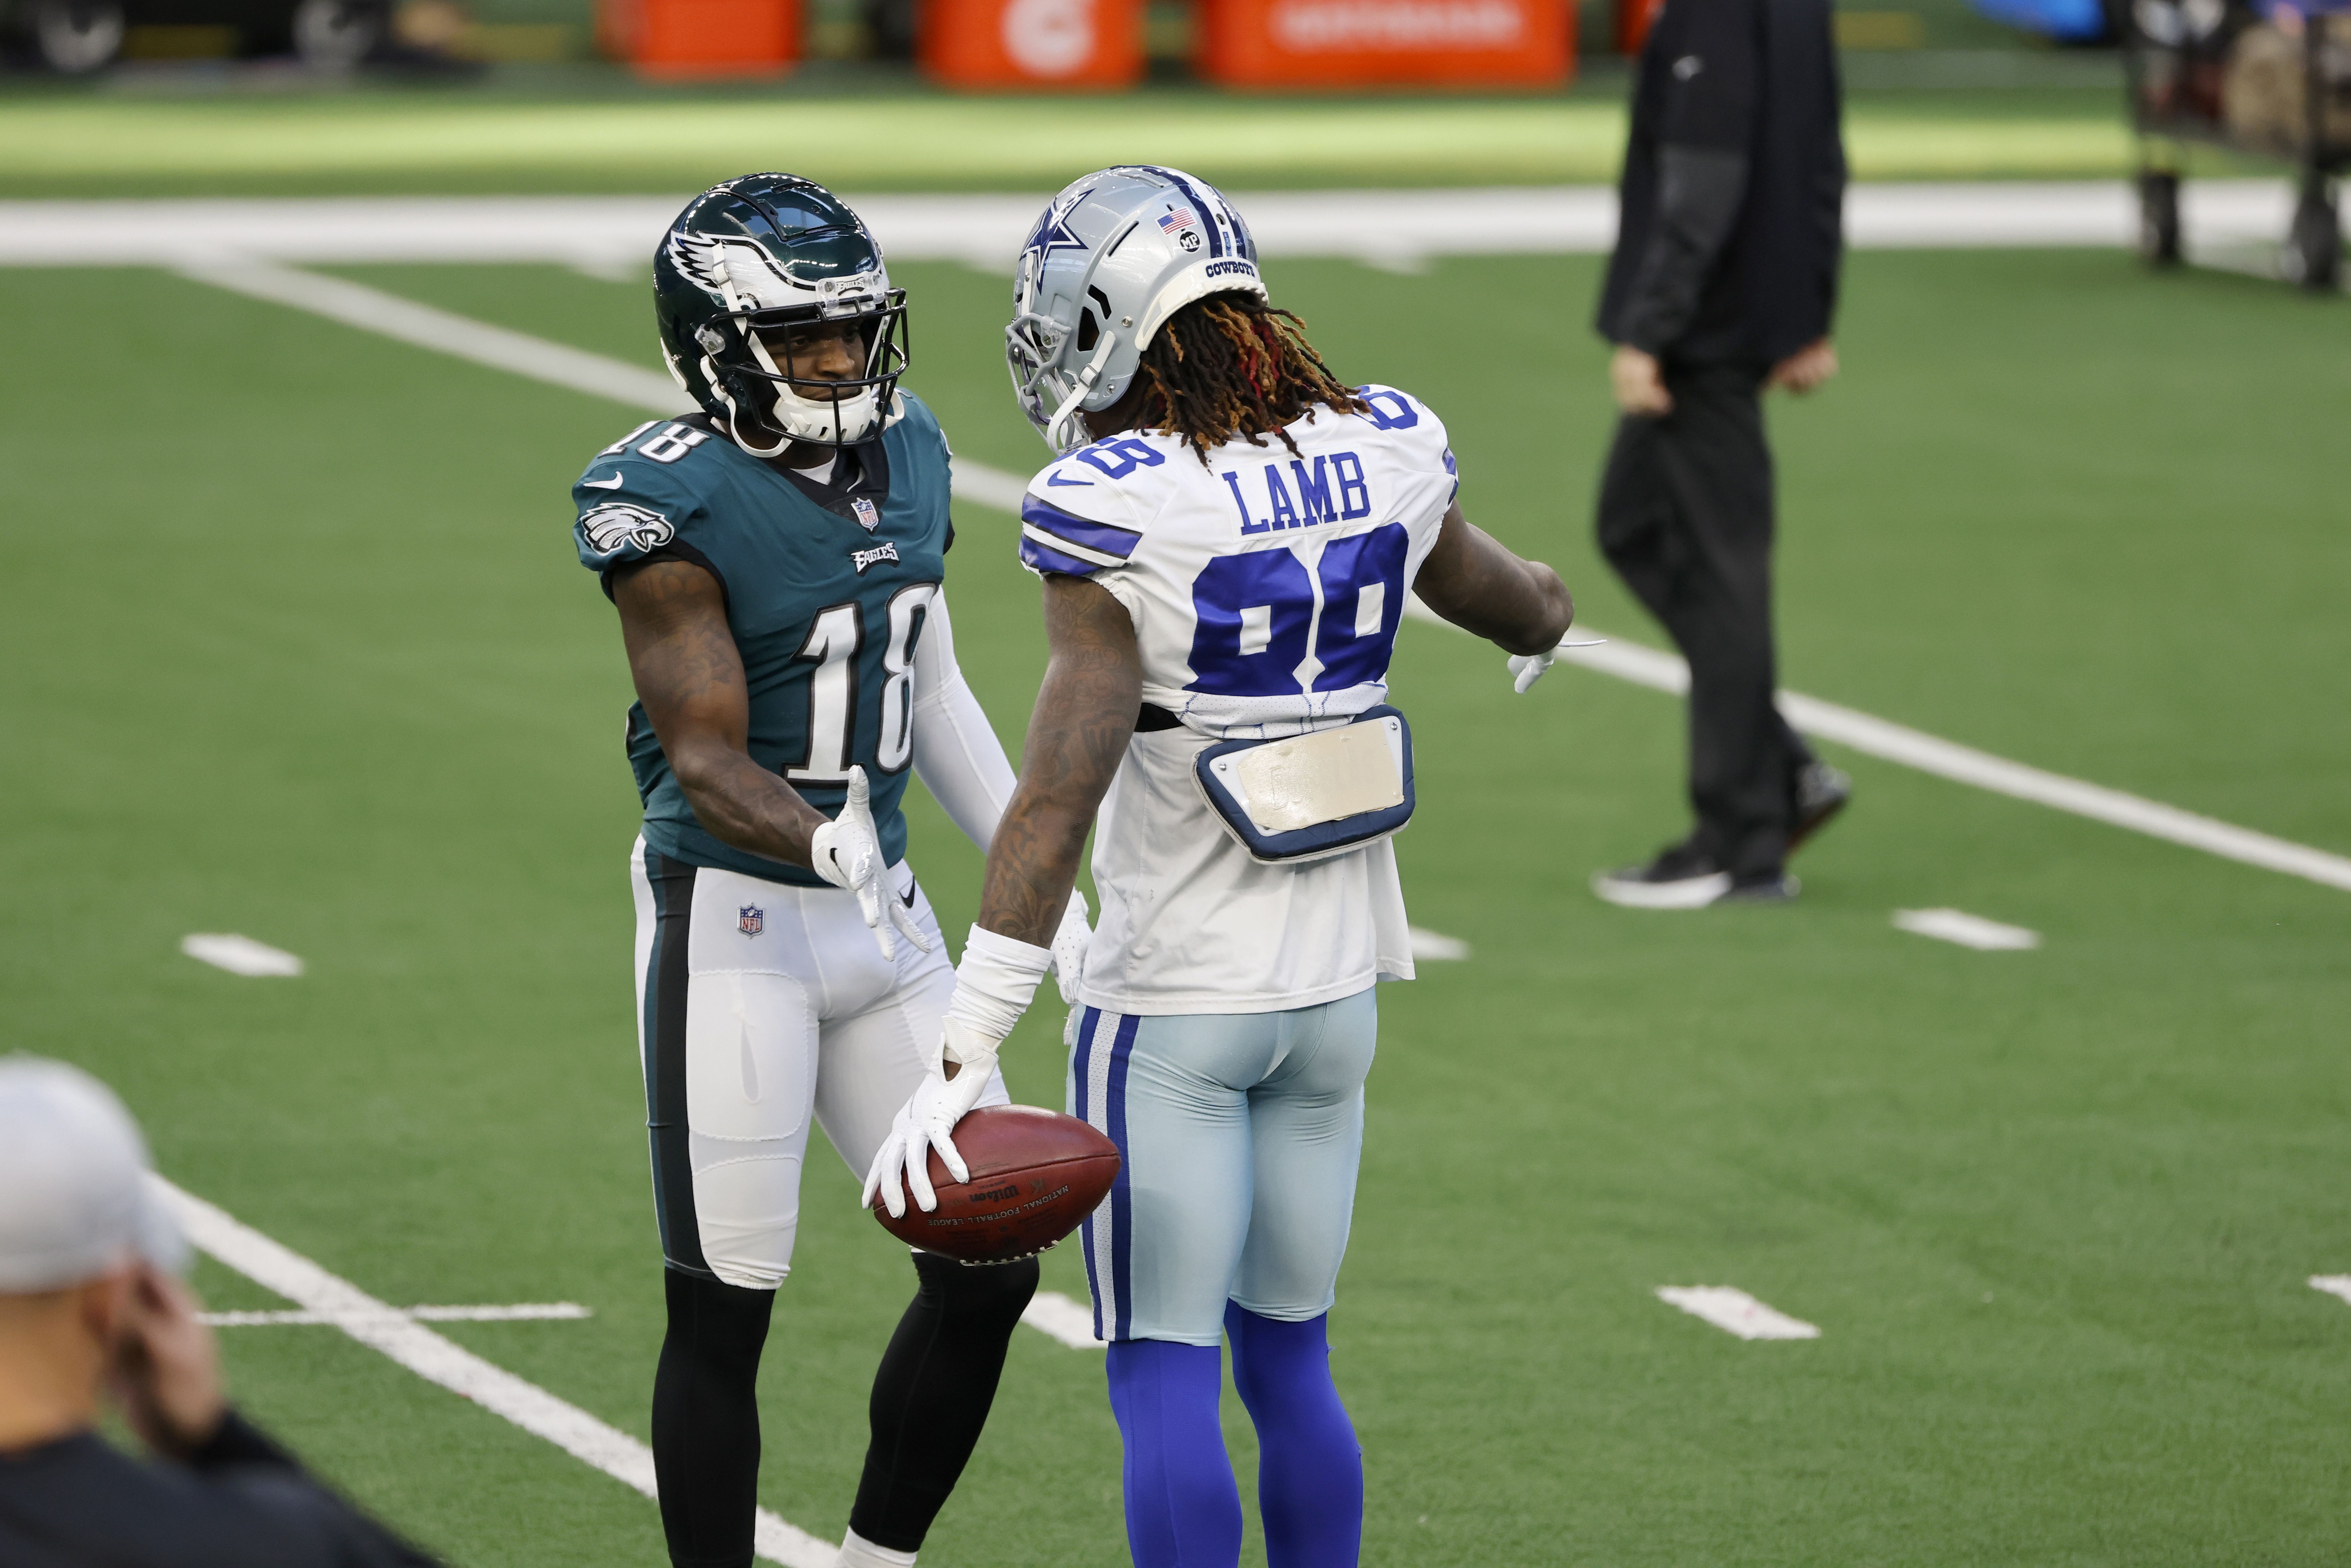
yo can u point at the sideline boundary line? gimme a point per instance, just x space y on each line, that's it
613 237
382 1327
558 364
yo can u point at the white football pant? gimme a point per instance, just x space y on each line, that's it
760 1004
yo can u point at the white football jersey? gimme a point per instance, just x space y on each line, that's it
1266 587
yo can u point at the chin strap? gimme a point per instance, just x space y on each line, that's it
1054 431
734 416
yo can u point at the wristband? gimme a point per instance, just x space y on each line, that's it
994 985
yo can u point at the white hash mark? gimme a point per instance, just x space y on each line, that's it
240 955
1735 1311
1437 948
1967 930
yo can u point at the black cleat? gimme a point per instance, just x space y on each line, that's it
1821 793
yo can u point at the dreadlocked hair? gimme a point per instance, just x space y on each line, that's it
1231 366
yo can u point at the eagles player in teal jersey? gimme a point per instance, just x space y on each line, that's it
777 561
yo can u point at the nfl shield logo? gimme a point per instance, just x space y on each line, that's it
867 516
748 920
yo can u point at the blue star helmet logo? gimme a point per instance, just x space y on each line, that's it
1052 233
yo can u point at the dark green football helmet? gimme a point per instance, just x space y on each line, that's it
752 272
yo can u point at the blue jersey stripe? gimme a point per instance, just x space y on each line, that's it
1037 558
1105 537
1122 1212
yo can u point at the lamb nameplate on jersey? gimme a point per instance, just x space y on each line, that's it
1312 796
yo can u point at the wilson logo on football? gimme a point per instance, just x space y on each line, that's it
619 527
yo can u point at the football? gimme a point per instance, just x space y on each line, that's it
1035 1175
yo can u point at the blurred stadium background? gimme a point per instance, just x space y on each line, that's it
295 650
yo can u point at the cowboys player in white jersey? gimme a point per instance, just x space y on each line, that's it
1226 546
777 561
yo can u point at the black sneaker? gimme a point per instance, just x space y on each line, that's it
1821 793
1678 878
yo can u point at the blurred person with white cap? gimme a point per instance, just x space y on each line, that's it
91 1308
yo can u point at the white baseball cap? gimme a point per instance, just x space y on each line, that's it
75 1198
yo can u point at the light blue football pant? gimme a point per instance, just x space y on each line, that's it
1240 1136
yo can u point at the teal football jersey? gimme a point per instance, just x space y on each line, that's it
826 606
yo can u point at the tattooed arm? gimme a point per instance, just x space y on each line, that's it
1480 586
1085 714
690 677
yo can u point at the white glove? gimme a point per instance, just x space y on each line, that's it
1070 947
1526 669
926 1122
994 985
847 852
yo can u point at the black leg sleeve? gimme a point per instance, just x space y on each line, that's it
932 1393
706 1419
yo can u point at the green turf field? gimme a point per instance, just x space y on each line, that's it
297 648
80 144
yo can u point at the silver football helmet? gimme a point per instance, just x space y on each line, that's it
1115 254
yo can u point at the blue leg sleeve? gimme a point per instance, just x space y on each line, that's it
1309 1478
1182 1509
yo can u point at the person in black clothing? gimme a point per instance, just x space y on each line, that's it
88 1303
1723 283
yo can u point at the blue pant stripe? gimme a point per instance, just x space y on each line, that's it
1080 1075
1122 1217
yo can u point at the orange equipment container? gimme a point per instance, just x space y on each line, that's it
1031 43
1634 18
1388 43
681 40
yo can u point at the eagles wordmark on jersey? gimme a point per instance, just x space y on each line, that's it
777 561
826 606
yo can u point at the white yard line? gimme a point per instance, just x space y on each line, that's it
1967 930
1733 1311
520 1312
2333 1284
1063 1318
1893 742
462 337
240 955
1948 759
373 310
399 1335
614 235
